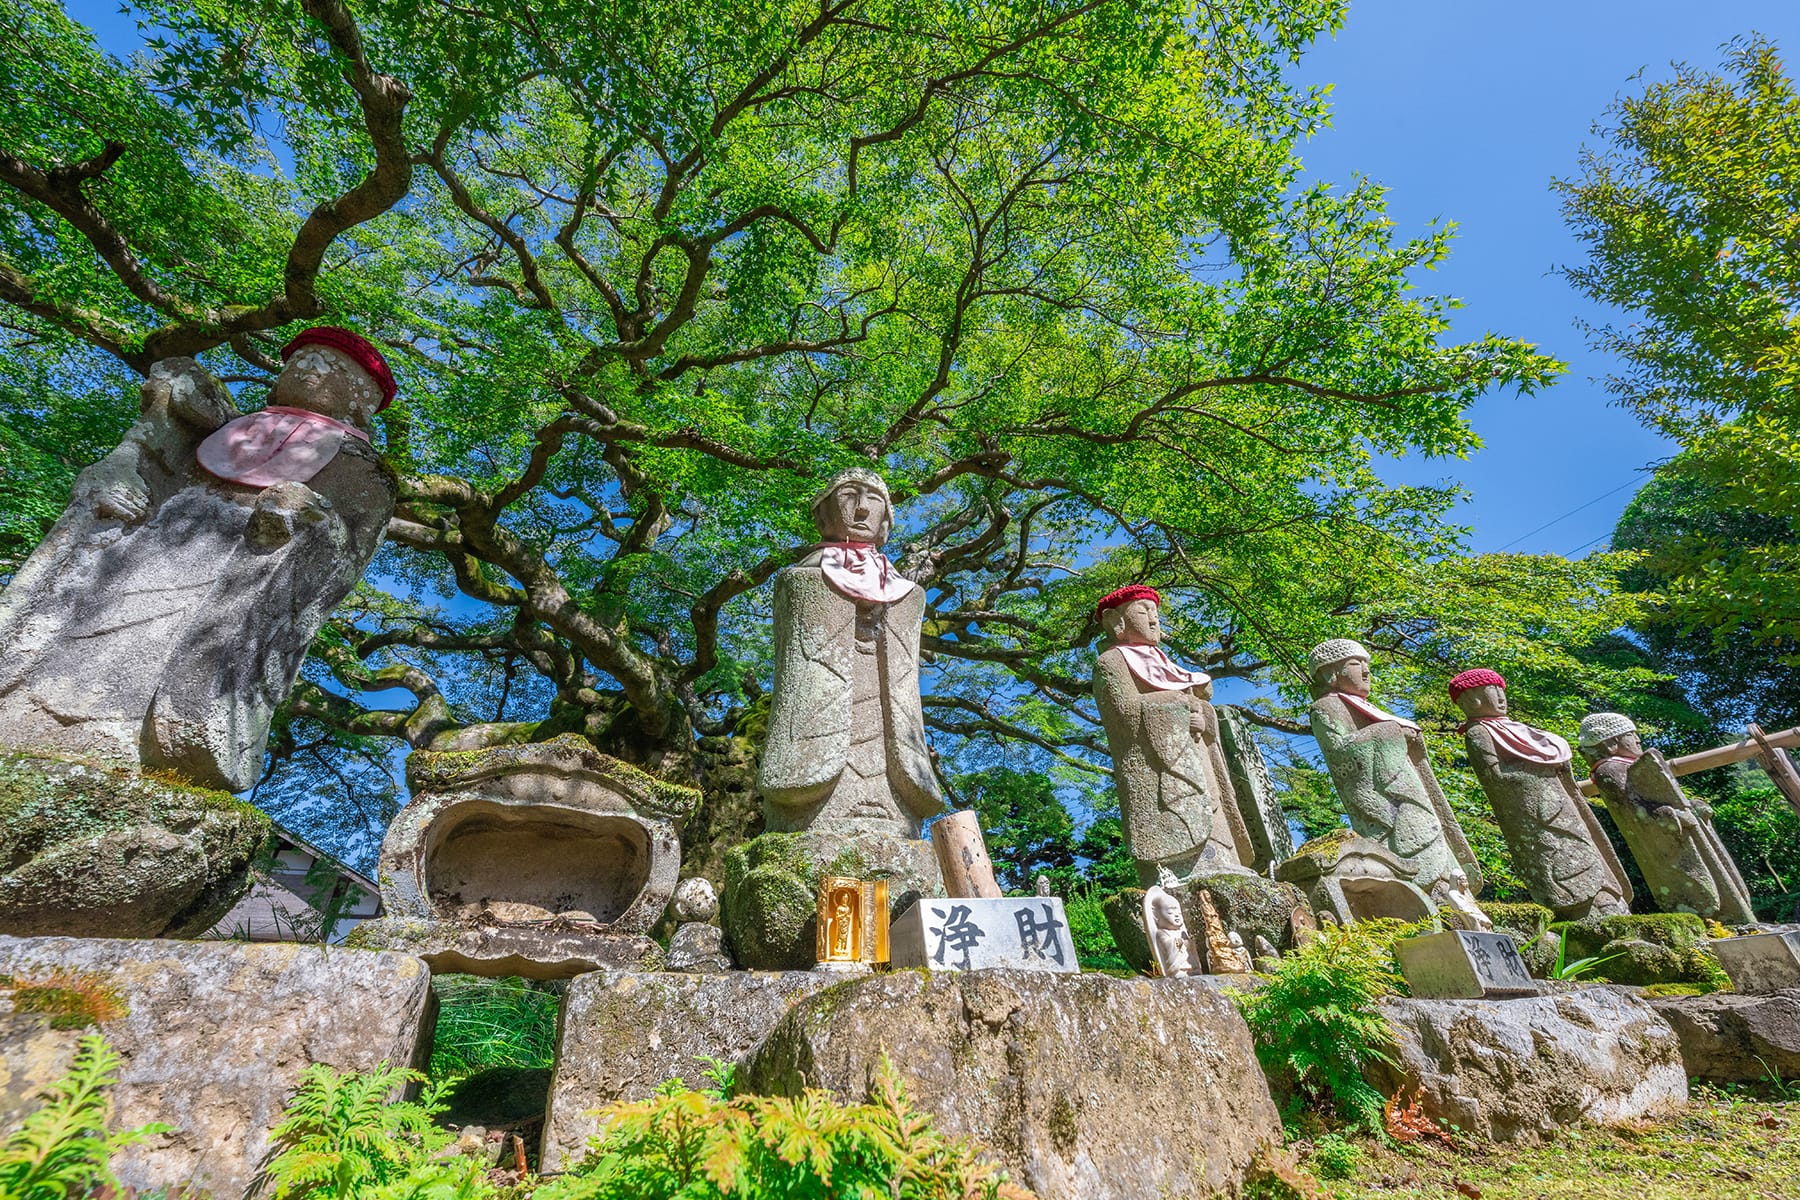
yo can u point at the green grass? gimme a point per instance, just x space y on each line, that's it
486 1023
1728 1144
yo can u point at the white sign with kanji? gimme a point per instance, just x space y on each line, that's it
1027 933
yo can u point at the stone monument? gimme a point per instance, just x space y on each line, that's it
846 776
1383 774
1175 793
1558 848
1172 947
168 611
1684 863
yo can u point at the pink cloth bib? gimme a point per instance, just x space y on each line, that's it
862 572
276 445
1516 739
1368 712
1153 666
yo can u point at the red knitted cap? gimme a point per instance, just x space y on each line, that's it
1125 595
359 349
1479 677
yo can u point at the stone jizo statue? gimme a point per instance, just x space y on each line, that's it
169 609
1171 945
1174 788
1672 837
1557 845
1460 899
1383 774
846 749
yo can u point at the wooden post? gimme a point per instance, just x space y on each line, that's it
1775 761
1723 756
962 855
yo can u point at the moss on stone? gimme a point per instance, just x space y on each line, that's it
445 770
1528 921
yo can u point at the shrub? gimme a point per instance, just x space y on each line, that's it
1317 1020
1090 934
63 1149
1334 1158
340 1138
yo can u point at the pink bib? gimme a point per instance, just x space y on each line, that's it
1153 666
861 572
1368 712
276 445
1516 739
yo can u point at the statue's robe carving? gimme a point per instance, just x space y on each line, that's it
1685 865
167 638
846 745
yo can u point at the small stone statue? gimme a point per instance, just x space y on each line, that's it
1672 837
1459 898
1171 946
1382 773
167 613
1557 846
846 749
1043 885
1174 787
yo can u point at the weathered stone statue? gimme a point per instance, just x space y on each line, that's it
846 747
168 611
1383 774
1557 845
1461 901
1172 947
1174 788
1671 836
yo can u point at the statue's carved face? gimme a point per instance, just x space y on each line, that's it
1352 676
855 512
1488 700
1138 623
327 381
1626 745
1167 912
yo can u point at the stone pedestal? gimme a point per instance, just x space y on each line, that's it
1028 933
94 851
213 1038
1083 1086
1354 878
1462 965
1761 962
543 860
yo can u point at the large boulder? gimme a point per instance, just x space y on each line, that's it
1084 1086
97 851
769 909
213 1038
624 1033
1517 1070
1644 948
1728 1037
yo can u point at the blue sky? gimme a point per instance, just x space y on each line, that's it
1466 110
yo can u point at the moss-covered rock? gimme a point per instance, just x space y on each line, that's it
1249 906
1644 948
99 851
1125 918
769 909
1526 922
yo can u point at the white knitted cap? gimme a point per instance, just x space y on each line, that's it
1597 728
1335 651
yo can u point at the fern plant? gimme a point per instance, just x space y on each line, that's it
699 1146
1318 1019
340 1139
63 1149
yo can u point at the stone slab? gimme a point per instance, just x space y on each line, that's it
1081 1086
1459 964
214 1038
1028 933
1727 1037
1519 1070
1761 962
624 1033
498 953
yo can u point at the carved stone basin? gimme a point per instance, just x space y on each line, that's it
544 860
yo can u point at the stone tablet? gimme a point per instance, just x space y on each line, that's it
1025 933
1463 965
1761 962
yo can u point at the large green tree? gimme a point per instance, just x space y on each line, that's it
1689 206
649 273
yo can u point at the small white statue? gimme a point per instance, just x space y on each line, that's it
1171 945
1462 901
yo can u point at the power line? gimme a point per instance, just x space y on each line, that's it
1567 515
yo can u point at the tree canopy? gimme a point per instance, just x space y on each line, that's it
648 276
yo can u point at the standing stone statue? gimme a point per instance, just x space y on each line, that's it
1174 788
1383 774
1672 837
1172 947
1557 845
846 747
169 609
